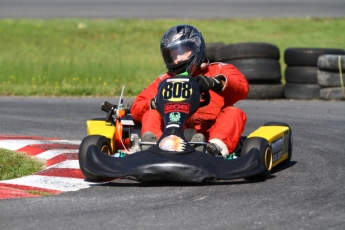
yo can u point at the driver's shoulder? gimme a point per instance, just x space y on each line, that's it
164 76
219 64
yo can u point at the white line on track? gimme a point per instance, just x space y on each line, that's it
54 152
71 164
21 143
17 144
50 182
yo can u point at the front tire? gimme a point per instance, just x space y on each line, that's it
266 156
102 144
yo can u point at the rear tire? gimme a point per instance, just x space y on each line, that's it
285 162
102 144
265 154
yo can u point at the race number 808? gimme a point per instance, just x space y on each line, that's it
177 91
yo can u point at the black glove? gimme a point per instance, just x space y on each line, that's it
207 83
153 103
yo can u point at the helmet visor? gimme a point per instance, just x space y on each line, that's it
181 51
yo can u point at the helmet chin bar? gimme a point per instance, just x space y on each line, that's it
179 68
193 67
189 66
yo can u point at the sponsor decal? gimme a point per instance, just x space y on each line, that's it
172 143
176 107
277 149
175 117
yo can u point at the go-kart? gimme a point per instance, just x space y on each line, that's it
113 147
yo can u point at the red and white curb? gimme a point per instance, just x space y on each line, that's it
62 172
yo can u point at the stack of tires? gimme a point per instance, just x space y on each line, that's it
301 73
331 77
210 50
259 63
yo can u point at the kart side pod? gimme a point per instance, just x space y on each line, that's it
103 128
279 137
121 133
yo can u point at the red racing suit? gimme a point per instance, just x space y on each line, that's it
219 119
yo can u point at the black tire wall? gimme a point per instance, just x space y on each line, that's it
259 63
301 73
331 77
210 50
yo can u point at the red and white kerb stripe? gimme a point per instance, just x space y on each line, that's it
62 172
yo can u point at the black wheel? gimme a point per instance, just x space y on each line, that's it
329 79
332 93
285 162
301 74
331 62
265 154
258 69
102 143
210 48
266 91
307 56
302 91
247 50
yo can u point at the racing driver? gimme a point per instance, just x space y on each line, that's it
219 123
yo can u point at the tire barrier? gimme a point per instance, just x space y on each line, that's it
259 63
302 91
310 73
301 73
334 93
247 50
330 77
259 69
266 91
307 56
210 48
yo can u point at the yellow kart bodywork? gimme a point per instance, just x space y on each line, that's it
103 128
278 137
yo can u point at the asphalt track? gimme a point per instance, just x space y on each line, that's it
308 194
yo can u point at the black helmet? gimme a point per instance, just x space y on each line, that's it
178 38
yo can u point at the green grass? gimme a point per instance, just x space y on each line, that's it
15 165
79 57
